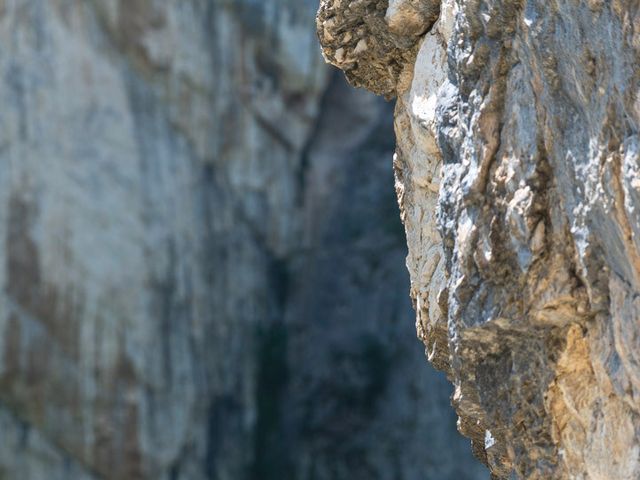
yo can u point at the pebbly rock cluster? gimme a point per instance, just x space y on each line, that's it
517 167
373 42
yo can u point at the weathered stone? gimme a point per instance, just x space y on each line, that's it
522 116
201 272
372 43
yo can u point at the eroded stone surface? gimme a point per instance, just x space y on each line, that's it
373 41
200 273
528 296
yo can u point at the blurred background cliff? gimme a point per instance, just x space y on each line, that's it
203 265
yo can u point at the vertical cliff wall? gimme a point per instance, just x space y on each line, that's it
517 176
202 262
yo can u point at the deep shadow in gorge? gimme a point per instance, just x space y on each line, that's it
359 402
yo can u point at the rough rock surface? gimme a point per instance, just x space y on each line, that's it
373 41
517 172
202 270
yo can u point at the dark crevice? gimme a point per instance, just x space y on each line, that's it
272 457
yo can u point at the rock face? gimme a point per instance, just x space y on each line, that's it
517 177
202 258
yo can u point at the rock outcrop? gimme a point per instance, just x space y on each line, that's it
517 173
202 262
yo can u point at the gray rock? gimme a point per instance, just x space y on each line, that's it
202 264
521 118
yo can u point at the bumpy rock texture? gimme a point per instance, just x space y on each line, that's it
517 173
202 262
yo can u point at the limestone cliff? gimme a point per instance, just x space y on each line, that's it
517 176
201 258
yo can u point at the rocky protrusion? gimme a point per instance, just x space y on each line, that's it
523 116
374 41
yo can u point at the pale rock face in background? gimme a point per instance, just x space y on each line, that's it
517 174
202 259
